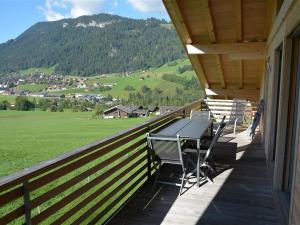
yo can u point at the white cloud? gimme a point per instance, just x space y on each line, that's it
49 12
72 8
147 5
85 7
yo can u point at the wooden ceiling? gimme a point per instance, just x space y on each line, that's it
225 41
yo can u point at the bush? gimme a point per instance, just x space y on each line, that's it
185 68
53 108
23 104
60 108
129 88
44 107
4 105
174 63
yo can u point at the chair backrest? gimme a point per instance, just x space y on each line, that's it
215 139
238 110
197 114
165 147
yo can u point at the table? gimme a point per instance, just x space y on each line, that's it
189 129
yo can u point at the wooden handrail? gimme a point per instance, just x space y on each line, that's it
36 186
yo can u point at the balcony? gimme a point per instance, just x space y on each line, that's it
241 193
110 181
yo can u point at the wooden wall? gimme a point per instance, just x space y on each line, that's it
287 20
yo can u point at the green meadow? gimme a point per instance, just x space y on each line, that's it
27 138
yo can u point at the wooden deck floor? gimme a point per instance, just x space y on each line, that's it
240 195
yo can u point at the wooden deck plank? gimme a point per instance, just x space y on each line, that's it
241 194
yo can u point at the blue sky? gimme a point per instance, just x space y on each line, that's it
18 15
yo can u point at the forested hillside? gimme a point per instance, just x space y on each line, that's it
91 45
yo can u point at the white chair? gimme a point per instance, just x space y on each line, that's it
237 114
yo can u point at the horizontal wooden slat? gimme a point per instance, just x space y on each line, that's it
61 188
71 197
118 199
81 162
11 196
94 195
11 216
111 194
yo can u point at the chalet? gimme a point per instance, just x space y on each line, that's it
141 112
4 90
166 109
152 109
120 111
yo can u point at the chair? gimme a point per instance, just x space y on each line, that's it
166 150
197 114
206 160
237 114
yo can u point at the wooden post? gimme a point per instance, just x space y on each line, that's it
148 159
27 205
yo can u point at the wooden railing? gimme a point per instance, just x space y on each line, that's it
87 185
219 107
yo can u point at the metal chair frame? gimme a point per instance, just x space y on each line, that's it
179 161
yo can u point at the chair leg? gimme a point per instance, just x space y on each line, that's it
182 183
234 129
156 176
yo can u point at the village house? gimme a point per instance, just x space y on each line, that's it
166 109
121 111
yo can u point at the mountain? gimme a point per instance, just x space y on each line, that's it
91 45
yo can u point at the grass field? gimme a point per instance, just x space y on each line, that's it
27 138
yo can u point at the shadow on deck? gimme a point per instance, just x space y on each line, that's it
241 193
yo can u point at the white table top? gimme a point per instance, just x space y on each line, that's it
187 128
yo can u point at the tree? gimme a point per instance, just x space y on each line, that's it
4 105
129 88
23 104
99 109
157 90
53 108
145 89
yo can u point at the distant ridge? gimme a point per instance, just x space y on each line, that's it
90 45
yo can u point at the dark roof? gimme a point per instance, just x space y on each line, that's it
127 109
152 108
164 109
141 111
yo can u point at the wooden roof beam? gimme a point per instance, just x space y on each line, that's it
239 38
250 94
240 73
213 39
182 28
257 48
180 19
239 23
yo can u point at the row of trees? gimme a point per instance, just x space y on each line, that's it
22 103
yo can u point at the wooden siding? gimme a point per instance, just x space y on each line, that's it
285 23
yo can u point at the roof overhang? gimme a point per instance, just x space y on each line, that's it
225 42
